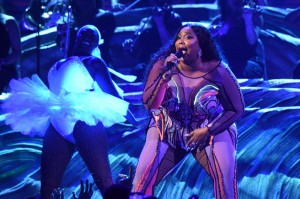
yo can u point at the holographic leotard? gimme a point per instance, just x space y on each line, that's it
212 100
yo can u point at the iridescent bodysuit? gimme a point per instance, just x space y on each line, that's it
213 100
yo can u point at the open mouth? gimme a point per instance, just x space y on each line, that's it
183 50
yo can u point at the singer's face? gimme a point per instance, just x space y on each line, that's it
187 42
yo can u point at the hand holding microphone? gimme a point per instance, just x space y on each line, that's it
170 63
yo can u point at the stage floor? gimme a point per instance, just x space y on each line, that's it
268 140
268 150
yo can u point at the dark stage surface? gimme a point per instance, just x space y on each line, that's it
268 150
268 140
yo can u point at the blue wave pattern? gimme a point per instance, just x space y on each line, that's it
268 150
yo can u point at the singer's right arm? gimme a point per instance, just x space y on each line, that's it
155 87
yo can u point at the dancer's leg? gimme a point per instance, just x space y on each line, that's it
91 142
219 160
56 154
146 159
157 160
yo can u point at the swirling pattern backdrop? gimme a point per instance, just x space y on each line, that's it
269 132
268 150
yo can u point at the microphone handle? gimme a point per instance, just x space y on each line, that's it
170 65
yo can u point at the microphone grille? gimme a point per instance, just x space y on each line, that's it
179 54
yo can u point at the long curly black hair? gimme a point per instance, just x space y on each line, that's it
210 50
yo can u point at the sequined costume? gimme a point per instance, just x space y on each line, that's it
190 103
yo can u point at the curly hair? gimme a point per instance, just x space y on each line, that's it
210 49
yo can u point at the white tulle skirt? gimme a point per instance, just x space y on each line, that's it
31 106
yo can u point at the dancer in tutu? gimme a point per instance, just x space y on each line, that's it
73 113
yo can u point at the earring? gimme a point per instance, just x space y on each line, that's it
200 53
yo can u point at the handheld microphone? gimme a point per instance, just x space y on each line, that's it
170 65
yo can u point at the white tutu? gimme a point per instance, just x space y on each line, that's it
31 106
